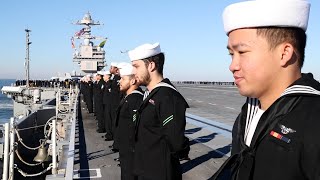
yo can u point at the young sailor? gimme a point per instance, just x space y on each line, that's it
161 118
111 101
125 118
88 93
98 101
106 106
274 136
115 98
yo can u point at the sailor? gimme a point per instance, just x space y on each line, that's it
17 82
82 81
99 101
89 93
125 118
107 106
275 135
161 118
116 96
84 89
67 83
95 90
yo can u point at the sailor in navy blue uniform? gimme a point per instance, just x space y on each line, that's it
98 101
275 135
95 90
115 97
161 119
126 117
88 93
106 106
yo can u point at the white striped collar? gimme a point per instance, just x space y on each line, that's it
161 84
137 92
254 103
301 90
253 106
146 94
134 92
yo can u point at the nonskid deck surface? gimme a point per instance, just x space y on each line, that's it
210 136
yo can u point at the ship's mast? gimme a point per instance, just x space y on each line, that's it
27 57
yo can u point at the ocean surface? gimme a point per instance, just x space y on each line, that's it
6 104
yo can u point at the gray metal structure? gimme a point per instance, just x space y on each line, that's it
90 57
27 57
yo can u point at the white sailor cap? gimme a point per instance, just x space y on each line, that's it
264 13
121 64
106 72
114 64
88 76
126 69
100 73
144 51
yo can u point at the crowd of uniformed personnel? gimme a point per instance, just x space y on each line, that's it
48 83
145 126
273 136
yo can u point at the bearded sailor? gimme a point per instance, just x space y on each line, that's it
126 117
160 119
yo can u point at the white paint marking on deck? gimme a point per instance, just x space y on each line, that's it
229 108
77 172
199 101
212 104
207 89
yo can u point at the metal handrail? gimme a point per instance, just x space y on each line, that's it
71 151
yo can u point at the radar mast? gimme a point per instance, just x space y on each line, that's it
27 66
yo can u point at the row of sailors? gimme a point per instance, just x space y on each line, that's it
48 83
275 134
147 127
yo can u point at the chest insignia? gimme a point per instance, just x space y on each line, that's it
151 101
280 137
285 130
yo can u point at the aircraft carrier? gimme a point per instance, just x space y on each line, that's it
213 109
30 150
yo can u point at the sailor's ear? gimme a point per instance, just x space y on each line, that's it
287 53
152 66
133 81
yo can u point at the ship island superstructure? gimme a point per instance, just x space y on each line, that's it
89 56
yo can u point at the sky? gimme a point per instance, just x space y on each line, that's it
190 33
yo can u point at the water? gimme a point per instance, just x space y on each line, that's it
6 104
